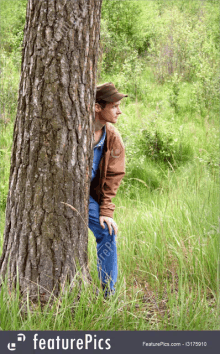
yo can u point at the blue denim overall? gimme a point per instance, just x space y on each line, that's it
106 243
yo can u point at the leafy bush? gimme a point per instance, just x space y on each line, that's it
165 146
186 48
183 45
123 32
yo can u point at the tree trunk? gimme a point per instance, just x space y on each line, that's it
44 239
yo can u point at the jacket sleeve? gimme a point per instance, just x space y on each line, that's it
114 174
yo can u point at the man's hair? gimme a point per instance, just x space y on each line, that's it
102 103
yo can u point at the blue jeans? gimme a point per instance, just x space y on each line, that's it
106 248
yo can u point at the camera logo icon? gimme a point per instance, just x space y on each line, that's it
12 346
20 338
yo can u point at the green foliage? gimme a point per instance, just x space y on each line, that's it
165 146
11 37
186 48
183 45
122 33
174 95
9 80
11 27
5 154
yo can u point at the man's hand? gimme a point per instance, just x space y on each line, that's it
110 223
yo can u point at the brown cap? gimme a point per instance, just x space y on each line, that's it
108 93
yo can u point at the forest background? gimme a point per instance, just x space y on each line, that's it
165 56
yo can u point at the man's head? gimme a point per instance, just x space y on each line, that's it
107 103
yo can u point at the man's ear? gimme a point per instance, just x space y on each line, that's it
97 108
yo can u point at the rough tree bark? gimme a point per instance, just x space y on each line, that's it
52 147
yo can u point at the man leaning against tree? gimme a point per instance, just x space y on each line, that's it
108 169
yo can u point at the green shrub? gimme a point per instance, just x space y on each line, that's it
165 146
186 47
124 30
182 45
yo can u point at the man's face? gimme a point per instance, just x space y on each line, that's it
110 113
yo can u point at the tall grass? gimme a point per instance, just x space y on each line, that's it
168 252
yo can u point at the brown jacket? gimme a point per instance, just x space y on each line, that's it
111 171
